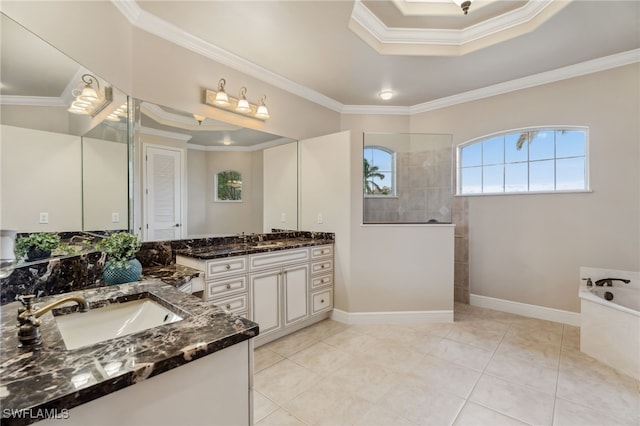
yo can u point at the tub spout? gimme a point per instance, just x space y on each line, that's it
609 281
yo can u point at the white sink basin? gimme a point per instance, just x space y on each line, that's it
119 319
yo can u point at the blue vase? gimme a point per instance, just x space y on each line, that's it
114 274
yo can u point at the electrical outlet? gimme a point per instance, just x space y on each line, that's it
320 218
115 217
44 217
283 217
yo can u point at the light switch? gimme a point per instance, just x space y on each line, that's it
115 217
44 217
283 217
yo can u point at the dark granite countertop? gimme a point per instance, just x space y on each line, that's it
175 275
252 247
53 377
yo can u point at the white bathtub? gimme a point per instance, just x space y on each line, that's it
610 330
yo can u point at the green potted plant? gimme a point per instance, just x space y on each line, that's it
121 266
37 245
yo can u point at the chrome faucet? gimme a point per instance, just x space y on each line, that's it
609 281
28 314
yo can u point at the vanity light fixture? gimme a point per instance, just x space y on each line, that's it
121 111
90 100
220 99
199 118
464 4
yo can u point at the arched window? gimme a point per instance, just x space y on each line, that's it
379 172
228 186
527 160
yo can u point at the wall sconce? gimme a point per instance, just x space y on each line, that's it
220 99
121 111
88 100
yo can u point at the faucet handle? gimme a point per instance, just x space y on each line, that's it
588 280
26 300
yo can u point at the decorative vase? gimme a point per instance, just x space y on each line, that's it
114 273
36 253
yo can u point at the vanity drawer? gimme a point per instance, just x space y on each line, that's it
226 287
322 266
283 257
321 301
233 304
321 251
321 281
226 266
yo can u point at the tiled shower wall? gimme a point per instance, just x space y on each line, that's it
461 245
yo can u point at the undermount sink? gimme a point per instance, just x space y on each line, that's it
116 320
267 244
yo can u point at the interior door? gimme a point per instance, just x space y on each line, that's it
163 193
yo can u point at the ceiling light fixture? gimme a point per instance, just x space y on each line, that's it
90 100
242 106
463 4
385 95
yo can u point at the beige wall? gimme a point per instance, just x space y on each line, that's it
528 248
280 187
196 190
36 165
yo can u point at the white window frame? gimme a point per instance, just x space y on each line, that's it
587 187
394 169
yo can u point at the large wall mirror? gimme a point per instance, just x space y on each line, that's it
407 178
180 158
60 171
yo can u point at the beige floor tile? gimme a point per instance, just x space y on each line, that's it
570 414
280 418
427 343
352 342
536 324
362 375
324 329
289 345
529 334
608 395
262 406
534 352
284 381
483 339
319 406
582 364
446 375
462 354
435 328
571 337
476 415
523 372
422 402
264 357
395 357
517 401
321 358
379 416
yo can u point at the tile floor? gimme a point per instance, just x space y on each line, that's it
487 368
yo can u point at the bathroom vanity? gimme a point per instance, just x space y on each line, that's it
283 285
197 367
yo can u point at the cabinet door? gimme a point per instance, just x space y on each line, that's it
295 283
265 300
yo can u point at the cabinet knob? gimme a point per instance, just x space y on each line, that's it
321 300
228 306
228 286
322 266
228 267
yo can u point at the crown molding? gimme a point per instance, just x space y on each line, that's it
449 42
163 29
40 101
571 71
258 147
187 123
163 133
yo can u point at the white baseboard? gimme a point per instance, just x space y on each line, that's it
524 309
401 317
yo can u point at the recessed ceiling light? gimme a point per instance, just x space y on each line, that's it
385 95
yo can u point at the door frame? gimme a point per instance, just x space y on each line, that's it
183 187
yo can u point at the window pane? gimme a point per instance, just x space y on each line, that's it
382 160
570 173
385 184
493 178
512 142
493 151
541 176
570 143
516 177
542 145
471 155
471 180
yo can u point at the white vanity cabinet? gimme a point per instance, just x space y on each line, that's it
283 291
225 282
279 289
